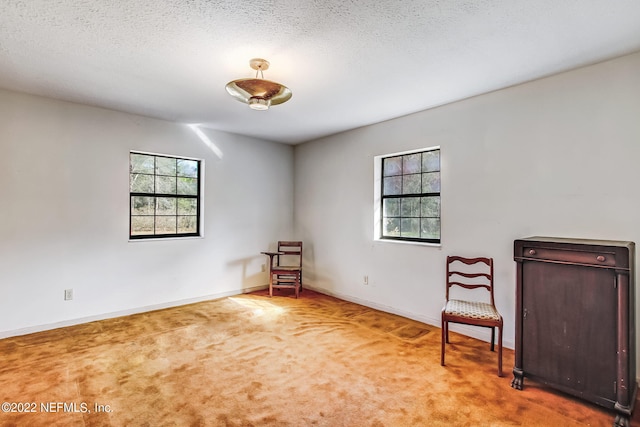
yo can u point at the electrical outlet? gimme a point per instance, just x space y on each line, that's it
264 267
68 294
365 281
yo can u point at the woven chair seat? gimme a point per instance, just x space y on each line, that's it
471 310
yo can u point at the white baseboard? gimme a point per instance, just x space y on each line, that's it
482 334
461 329
128 312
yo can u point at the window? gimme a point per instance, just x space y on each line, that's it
164 196
410 196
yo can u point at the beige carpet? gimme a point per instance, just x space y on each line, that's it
252 360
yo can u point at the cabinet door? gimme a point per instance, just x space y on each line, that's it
569 327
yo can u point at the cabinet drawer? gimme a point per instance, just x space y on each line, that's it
603 258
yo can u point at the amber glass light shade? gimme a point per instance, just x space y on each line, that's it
258 93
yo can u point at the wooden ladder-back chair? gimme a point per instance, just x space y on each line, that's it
285 270
470 274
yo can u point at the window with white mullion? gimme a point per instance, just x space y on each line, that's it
410 197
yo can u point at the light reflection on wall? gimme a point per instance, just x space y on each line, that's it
206 140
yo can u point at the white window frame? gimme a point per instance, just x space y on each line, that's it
377 199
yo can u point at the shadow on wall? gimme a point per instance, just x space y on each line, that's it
250 277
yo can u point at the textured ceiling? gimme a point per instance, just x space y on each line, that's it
348 63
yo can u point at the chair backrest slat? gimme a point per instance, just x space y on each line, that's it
479 267
470 275
291 251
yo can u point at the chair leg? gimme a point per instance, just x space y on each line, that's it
270 285
493 339
500 350
443 340
446 332
297 284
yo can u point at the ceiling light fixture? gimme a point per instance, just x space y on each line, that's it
259 93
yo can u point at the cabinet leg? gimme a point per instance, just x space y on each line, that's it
621 421
518 379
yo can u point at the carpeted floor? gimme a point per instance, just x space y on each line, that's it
251 360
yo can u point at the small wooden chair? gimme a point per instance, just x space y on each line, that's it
471 273
285 267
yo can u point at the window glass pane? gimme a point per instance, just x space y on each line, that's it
141 225
430 228
391 227
165 185
165 166
391 207
430 207
411 184
141 163
187 206
411 163
431 182
139 183
141 205
166 206
165 225
392 166
410 227
431 161
410 207
188 168
187 224
156 175
392 186
188 186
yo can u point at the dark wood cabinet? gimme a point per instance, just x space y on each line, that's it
575 321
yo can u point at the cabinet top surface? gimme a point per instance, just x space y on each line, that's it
617 243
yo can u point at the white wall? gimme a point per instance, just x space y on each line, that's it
64 214
554 157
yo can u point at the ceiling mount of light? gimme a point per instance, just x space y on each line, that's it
259 93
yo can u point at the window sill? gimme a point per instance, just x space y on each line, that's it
407 242
165 239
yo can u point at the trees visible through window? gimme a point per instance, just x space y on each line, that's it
410 196
164 196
